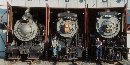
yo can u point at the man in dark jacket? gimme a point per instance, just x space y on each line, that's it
98 49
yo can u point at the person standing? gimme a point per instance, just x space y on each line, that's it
54 45
98 49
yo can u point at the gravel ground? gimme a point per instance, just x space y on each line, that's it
2 62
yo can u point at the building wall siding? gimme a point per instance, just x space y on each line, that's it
70 4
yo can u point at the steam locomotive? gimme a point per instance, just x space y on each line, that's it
70 35
27 39
110 28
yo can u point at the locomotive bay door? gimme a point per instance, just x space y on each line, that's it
128 31
125 30
86 36
86 27
47 30
124 19
47 23
3 21
9 22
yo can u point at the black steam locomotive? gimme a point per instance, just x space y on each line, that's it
69 34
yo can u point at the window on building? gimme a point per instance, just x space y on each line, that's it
128 19
104 0
81 1
66 0
118 1
128 11
29 0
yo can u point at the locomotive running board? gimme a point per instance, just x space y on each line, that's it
13 58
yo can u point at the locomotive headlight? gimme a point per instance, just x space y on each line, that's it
67 28
108 27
